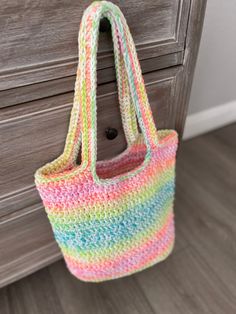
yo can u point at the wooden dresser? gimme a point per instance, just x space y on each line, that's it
38 49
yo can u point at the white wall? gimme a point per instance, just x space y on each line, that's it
214 81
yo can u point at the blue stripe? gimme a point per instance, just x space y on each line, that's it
105 233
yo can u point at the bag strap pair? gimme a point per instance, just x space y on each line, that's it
131 89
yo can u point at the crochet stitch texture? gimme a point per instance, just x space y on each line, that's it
114 217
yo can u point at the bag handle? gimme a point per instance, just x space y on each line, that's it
89 41
85 90
127 109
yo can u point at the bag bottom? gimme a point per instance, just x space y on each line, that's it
92 276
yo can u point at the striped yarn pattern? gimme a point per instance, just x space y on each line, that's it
114 217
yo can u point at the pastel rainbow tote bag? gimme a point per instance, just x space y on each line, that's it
111 218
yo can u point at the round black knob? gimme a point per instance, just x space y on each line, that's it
111 133
105 25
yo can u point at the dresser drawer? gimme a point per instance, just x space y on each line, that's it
38 48
27 93
39 38
32 135
26 244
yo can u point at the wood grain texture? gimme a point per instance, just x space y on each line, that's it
36 82
39 39
193 37
199 276
35 132
26 244
66 84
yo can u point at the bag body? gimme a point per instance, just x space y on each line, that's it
114 217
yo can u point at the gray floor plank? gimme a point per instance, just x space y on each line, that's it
35 294
118 297
186 284
4 301
208 223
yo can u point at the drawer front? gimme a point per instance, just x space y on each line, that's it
26 244
23 94
39 38
33 134
38 48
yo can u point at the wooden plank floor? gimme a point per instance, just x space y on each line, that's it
198 278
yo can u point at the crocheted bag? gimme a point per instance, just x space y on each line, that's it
114 217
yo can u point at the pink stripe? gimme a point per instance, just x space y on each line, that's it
57 200
151 259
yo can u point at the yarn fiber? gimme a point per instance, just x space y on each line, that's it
113 217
